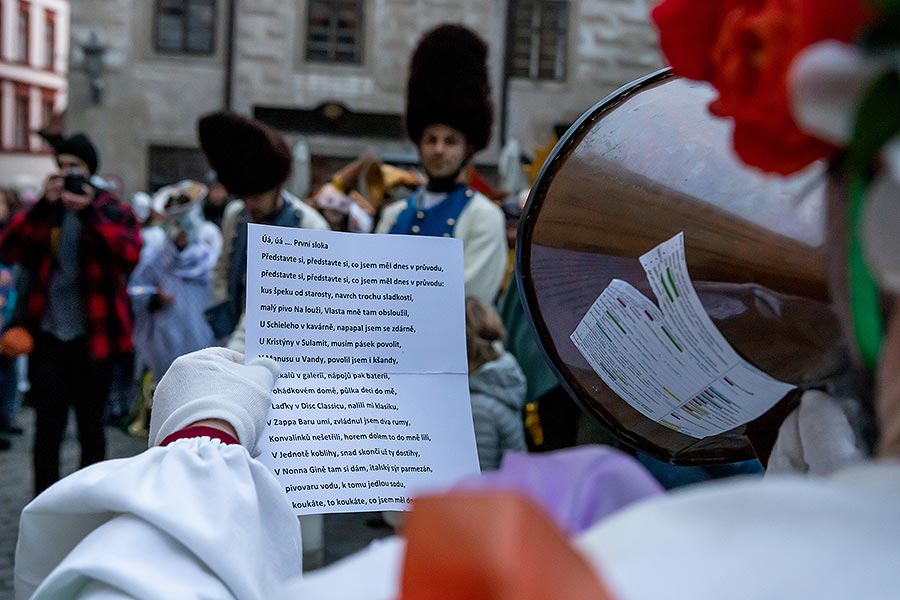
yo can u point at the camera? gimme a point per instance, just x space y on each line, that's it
75 182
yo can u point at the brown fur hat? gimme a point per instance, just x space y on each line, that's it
248 156
448 85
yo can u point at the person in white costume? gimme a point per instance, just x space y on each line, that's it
171 285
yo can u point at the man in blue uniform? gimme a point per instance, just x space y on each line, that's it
449 116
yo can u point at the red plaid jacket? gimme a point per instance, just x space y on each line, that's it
108 252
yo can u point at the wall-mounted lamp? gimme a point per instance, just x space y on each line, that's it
93 65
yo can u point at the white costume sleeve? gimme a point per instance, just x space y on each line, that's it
229 231
168 523
389 216
482 229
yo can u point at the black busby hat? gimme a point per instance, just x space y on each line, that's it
448 85
248 156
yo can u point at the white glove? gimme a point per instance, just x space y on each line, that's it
816 438
214 384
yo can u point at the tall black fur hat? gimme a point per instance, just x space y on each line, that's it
448 85
248 156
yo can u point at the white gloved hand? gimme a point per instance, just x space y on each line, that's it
214 384
817 438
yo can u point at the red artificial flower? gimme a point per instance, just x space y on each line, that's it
744 48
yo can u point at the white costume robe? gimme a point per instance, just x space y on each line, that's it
202 519
196 519
163 335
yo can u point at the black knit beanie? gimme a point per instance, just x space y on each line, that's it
78 145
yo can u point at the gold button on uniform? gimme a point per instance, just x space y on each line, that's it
446 235
420 215
451 222
469 193
416 229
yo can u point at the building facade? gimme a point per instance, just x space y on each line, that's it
34 51
333 72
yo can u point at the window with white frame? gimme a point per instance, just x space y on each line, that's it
537 39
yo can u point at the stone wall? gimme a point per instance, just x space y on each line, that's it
271 68
611 43
155 100
149 99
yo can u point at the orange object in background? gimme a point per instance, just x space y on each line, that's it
368 182
16 341
491 546
380 179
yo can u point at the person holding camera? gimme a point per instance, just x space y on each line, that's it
77 246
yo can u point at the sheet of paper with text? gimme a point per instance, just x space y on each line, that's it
669 361
369 330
